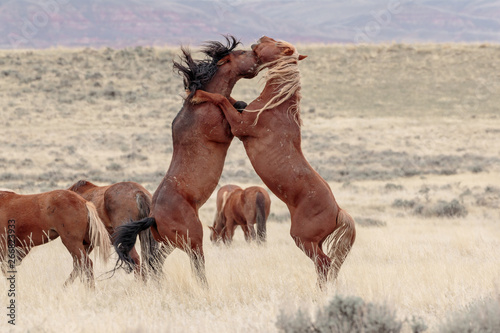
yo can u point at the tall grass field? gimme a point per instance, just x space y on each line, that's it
406 136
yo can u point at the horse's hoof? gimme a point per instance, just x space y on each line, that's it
240 106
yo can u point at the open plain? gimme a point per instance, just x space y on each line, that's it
406 135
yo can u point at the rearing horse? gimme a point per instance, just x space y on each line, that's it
270 131
201 137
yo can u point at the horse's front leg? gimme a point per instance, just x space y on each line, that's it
239 121
228 234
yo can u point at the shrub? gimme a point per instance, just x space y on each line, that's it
349 314
442 209
481 316
369 222
393 187
400 203
114 167
300 323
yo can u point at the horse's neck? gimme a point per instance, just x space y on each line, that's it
270 90
222 83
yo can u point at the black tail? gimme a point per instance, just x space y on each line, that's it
125 237
150 248
260 202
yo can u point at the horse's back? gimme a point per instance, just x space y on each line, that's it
124 201
62 204
37 203
229 189
6 198
38 216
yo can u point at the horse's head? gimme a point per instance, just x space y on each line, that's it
269 50
221 58
216 232
218 229
241 63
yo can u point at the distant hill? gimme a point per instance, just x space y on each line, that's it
115 23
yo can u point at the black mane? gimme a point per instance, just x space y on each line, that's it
217 50
197 73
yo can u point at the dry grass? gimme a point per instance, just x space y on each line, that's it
381 124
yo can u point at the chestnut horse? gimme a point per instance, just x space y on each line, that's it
35 219
201 137
241 207
270 131
120 203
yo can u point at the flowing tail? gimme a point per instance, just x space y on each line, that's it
260 217
125 237
150 248
222 216
98 234
340 242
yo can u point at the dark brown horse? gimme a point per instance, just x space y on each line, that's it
118 204
31 220
241 207
270 131
201 137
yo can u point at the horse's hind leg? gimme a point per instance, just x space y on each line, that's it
156 262
321 261
198 266
195 252
249 232
82 264
137 263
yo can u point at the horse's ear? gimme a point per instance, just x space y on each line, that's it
302 57
223 61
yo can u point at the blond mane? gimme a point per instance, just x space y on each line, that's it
285 75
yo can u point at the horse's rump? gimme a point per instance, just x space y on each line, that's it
143 204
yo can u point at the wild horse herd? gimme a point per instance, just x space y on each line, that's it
87 216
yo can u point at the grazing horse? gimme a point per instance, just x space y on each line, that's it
241 207
120 203
35 219
270 131
201 137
